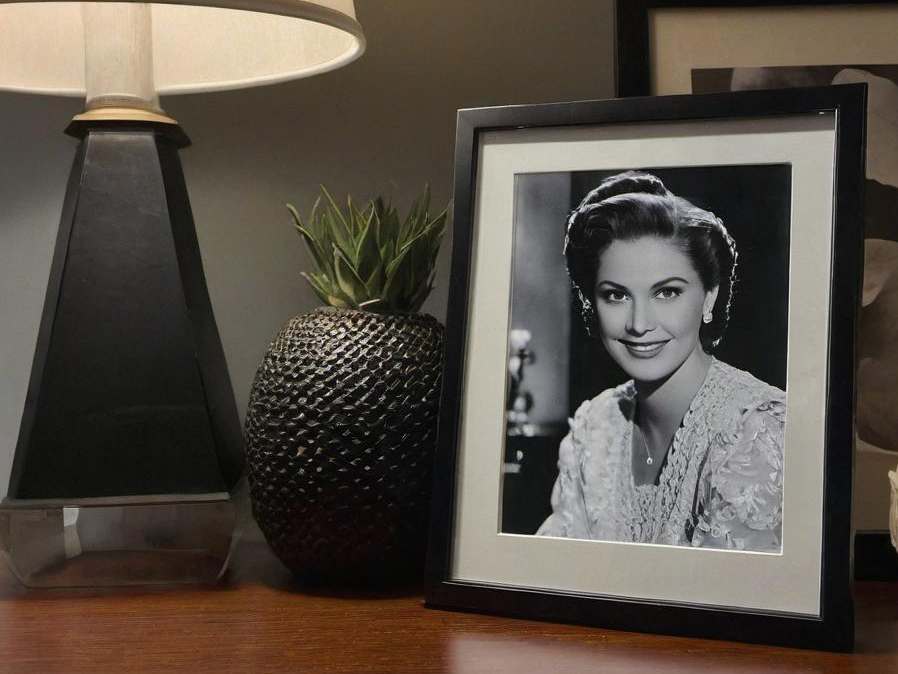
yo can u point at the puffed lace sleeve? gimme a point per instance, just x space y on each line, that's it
568 518
742 503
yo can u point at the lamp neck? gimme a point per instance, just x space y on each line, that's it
118 58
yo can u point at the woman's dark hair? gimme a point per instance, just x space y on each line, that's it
631 205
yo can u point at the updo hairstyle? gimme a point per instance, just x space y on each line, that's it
632 205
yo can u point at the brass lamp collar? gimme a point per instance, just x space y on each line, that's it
124 114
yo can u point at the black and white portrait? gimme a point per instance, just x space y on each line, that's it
646 400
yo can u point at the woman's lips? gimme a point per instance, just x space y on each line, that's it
644 349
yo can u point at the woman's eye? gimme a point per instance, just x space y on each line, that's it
668 293
613 296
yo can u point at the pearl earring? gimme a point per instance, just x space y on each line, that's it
708 317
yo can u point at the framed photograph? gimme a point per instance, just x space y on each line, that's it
648 407
683 46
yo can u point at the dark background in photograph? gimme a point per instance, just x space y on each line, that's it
569 367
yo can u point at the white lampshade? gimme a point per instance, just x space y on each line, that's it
195 45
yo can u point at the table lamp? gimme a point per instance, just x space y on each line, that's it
130 445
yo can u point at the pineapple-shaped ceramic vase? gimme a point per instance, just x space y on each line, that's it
341 425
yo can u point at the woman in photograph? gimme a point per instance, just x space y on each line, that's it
690 450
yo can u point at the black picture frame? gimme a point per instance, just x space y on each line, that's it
834 628
875 557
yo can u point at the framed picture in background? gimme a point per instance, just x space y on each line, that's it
682 46
647 407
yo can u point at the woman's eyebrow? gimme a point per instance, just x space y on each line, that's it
654 285
669 279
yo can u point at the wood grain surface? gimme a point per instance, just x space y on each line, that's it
258 621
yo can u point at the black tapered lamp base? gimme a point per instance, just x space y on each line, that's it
130 442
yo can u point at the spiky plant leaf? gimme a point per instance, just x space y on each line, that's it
347 279
317 286
335 211
313 247
366 253
370 304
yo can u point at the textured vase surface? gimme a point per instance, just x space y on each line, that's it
340 436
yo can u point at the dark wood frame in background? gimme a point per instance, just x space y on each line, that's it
874 556
834 629
633 60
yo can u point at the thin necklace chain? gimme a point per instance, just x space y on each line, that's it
645 445
648 456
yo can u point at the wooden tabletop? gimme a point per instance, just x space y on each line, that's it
258 621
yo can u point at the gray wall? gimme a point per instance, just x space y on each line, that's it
385 123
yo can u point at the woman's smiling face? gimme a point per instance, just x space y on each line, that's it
650 302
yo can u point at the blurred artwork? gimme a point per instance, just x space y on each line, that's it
520 400
877 340
877 396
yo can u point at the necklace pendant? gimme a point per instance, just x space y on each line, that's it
649 460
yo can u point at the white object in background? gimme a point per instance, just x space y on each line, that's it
519 339
893 511
70 538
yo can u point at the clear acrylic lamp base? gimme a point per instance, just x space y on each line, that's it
118 541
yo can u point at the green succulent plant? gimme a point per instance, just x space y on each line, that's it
369 258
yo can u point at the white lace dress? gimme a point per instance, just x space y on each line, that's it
721 485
